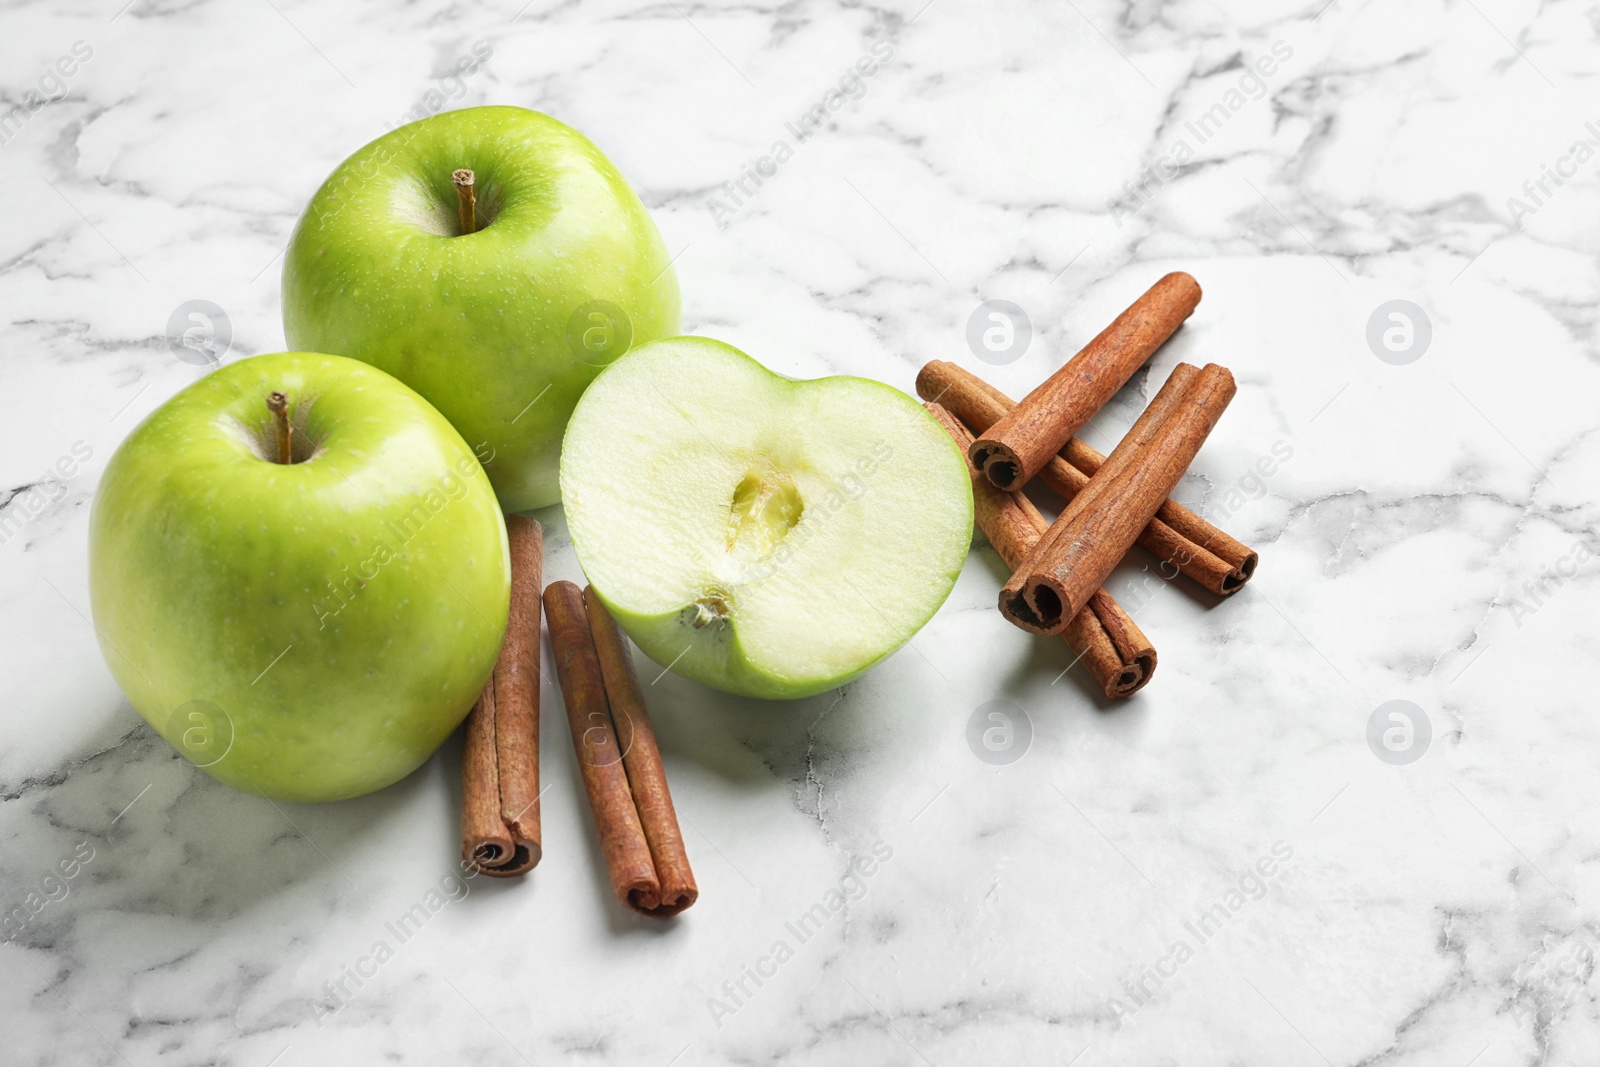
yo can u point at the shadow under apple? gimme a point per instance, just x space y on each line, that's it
165 839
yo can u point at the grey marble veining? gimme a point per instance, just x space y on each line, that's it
1221 871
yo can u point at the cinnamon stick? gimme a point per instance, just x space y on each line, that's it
1073 557
628 857
1103 637
647 779
1176 536
500 765
1023 440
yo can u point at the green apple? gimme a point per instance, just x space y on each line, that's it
501 328
307 630
765 536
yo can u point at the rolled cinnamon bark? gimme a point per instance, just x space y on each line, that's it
1117 653
1073 557
500 764
583 688
1176 536
1023 440
647 779
485 838
1103 636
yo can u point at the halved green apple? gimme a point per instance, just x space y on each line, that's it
768 537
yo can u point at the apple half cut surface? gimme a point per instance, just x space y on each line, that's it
764 536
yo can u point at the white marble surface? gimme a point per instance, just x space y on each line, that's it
1438 913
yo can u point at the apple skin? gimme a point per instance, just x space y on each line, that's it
498 329
212 572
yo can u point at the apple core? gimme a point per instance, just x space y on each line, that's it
765 536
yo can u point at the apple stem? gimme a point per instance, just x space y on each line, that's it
468 199
278 404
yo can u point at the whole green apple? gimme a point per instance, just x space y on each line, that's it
768 537
310 629
502 319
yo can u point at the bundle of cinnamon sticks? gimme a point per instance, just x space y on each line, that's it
1113 502
611 731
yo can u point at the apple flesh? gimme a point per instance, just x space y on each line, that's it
310 630
767 537
502 328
